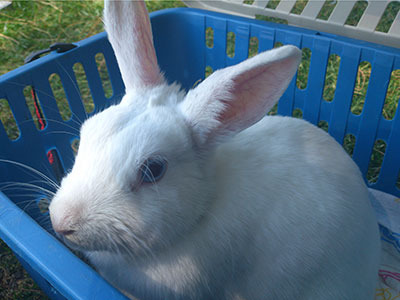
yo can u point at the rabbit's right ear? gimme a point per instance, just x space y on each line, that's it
129 32
234 98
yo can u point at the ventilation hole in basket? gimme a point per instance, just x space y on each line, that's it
323 125
55 162
299 7
7 118
253 46
272 4
35 108
392 96
297 113
356 13
43 205
230 44
75 145
271 19
105 77
331 75
209 37
326 10
304 68
388 16
273 110
208 71
375 163
59 96
349 143
360 87
84 89
249 2
278 44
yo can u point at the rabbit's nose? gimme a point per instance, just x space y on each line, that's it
61 225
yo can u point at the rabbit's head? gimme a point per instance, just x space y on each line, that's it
142 178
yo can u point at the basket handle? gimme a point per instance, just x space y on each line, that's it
59 47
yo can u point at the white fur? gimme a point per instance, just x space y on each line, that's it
275 210
129 32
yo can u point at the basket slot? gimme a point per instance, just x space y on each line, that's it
95 82
341 12
209 37
265 37
297 113
323 125
240 43
355 14
349 142
388 17
230 44
20 112
344 91
71 90
57 168
83 86
371 16
215 57
9 128
46 97
360 87
57 86
4 139
375 163
331 76
253 46
327 10
375 98
312 9
393 93
104 75
75 145
304 69
36 111
65 156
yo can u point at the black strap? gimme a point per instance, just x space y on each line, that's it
59 47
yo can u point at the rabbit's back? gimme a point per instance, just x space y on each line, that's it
306 207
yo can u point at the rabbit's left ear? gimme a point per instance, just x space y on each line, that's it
129 32
234 98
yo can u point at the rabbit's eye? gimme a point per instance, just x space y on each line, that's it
153 170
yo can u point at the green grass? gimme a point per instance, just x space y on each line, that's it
27 26
14 282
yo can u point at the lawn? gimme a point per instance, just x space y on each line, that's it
27 26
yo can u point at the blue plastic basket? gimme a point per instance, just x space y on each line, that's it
179 36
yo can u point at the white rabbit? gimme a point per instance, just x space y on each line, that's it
180 196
